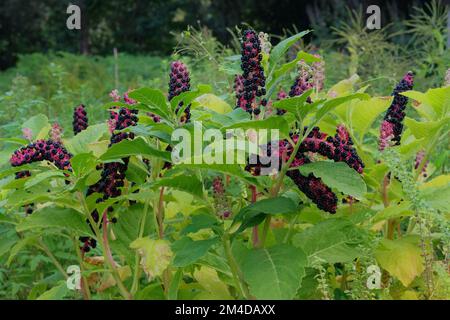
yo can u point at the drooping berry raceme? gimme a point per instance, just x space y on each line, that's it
220 200
392 125
304 80
80 120
113 173
42 150
179 82
253 73
338 148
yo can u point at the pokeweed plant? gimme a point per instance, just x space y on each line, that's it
349 192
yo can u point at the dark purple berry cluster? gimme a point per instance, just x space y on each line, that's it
220 200
20 175
180 82
113 173
42 150
338 148
80 120
280 96
238 86
179 79
318 192
253 76
392 125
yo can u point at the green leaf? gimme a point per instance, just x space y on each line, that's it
55 293
274 273
155 255
254 213
365 112
214 287
402 258
135 147
425 129
332 240
329 105
39 126
80 143
175 284
282 47
212 102
198 222
19 246
188 251
301 55
43 176
189 96
337 175
279 123
296 105
56 217
154 99
393 211
190 184
83 163
438 99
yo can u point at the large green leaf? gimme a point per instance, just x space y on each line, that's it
327 106
190 184
365 112
296 105
155 255
438 99
425 129
83 163
254 213
38 125
332 240
282 47
56 217
401 257
135 147
43 176
80 143
337 175
188 251
274 273
154 99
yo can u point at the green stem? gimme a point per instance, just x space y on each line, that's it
85 284
47 251
110 260
235 271
137 270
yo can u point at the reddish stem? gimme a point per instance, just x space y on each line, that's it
255 235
